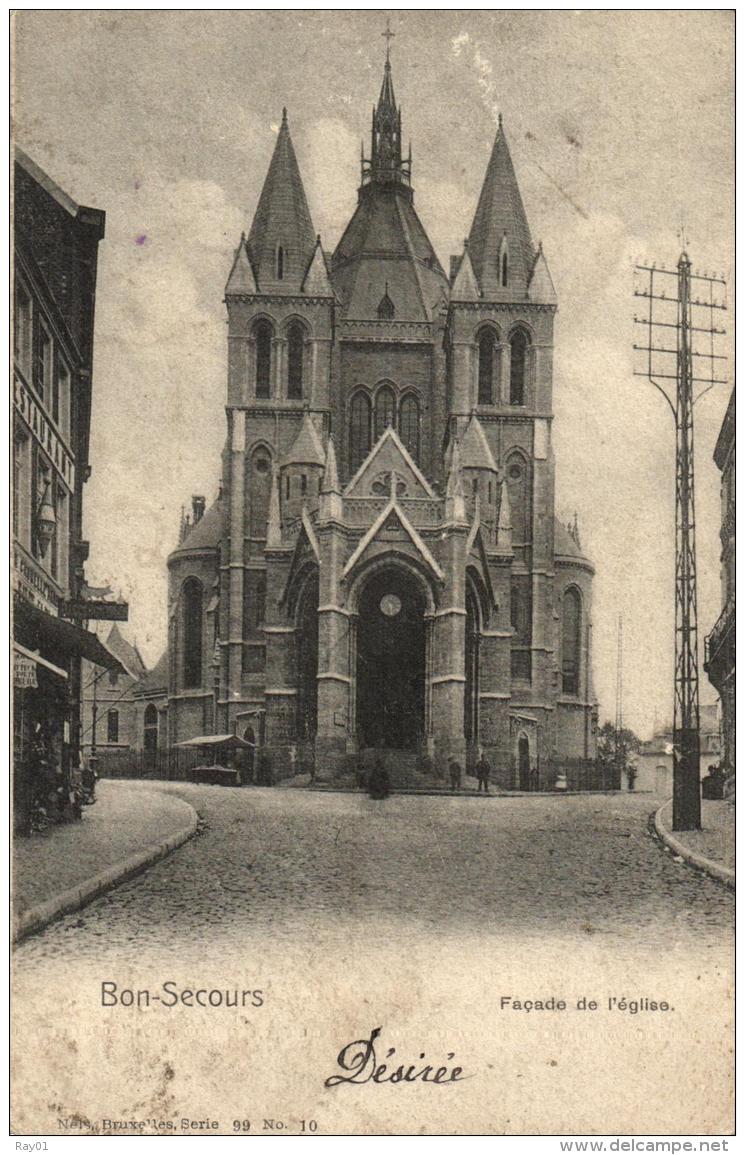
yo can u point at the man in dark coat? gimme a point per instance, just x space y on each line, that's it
483 770
455 773
379 784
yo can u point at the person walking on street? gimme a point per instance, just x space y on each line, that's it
483 770
455 773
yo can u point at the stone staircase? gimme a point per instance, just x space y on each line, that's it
404 768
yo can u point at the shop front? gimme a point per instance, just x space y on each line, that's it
47 651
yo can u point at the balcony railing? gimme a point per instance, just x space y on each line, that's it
715 641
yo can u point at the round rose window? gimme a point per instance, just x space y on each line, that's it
390 605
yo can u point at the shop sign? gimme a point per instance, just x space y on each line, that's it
44 432
24 673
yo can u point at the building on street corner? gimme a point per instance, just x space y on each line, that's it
383 568
55 259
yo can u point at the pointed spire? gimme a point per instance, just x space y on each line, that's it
504 524
274 520
306 449
541 287
465 286
241 280
282 238
500 213
330 482
317 282
386 165
455 506
475 450
183 528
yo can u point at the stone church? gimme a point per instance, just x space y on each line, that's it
383 568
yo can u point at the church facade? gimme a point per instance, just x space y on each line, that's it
383 568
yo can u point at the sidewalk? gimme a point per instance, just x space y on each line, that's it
711 849
65 867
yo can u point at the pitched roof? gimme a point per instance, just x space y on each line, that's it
283 220
206 534
127 654
385 243
465 286
541 286
241 279
475 452
306 449
500 213
564 543
157 678
317 282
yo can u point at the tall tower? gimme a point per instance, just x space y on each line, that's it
280 319
500 365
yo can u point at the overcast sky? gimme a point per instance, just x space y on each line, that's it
621 128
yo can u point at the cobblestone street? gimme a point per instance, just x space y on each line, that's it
272 861
417 914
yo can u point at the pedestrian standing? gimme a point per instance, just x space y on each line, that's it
455 774
379 784
483 770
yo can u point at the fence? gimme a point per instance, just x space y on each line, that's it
584 774
172 763
179 764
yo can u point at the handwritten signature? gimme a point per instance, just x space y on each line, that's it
360 1063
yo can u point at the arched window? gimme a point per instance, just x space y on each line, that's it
518 352
260 601
280 263
112 726
150 735
385 409
518 488
571 623
295 348
191 597
386 308
359 432
504 269
258 489
410 425
263 339
487 351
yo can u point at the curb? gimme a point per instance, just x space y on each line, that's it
37 917
707 865
464 792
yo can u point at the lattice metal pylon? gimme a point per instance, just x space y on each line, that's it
682 312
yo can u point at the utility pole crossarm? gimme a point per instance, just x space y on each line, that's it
676 311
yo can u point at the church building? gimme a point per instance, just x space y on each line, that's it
383 569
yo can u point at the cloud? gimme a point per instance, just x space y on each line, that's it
159 382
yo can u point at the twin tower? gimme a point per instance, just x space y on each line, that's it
382 570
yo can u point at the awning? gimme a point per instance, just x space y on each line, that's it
226 740
39 629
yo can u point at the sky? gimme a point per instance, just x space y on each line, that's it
620 126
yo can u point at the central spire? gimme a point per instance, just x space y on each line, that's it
386 165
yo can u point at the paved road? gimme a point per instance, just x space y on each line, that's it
275 863
417 915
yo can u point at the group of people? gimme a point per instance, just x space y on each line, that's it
483 773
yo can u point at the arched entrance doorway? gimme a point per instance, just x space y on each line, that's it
523 762
471 691
249 755
391 647
307 661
